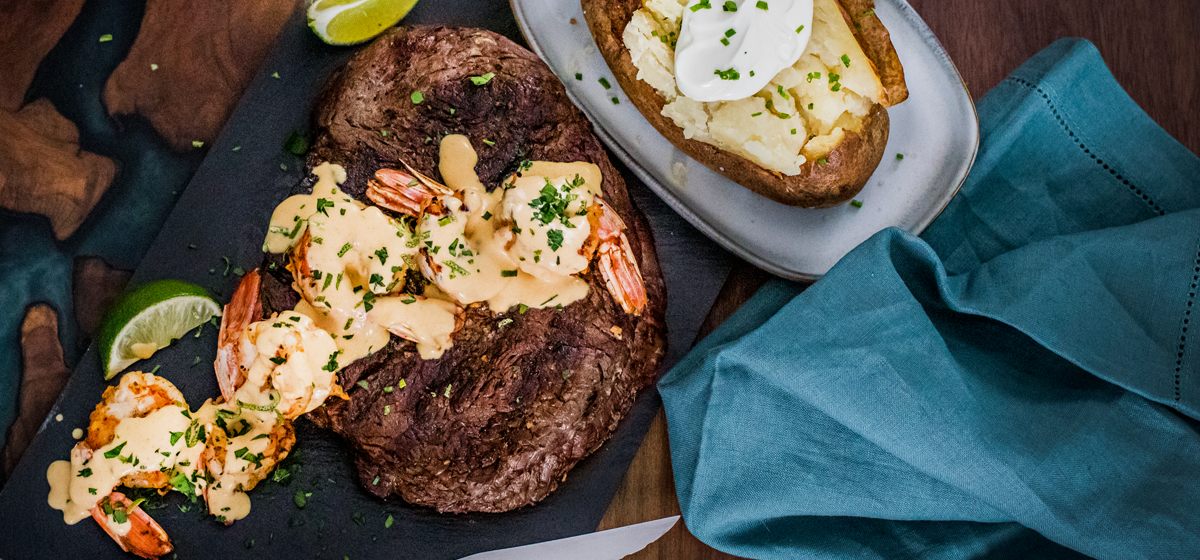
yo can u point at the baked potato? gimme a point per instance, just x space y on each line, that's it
820 159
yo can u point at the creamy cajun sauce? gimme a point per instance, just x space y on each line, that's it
140 445
521 244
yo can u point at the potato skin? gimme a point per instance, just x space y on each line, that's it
819 185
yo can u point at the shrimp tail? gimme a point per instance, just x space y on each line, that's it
617 263
145 538
244 308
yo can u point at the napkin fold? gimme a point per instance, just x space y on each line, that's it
1016 383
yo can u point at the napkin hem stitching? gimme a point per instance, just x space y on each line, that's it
1071 133
1183 332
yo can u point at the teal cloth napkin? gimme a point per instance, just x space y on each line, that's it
1016 383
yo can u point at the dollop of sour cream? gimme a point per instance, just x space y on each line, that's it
730 50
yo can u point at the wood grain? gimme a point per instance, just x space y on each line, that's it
1153 53
28 30
43 170
1151 48
204 53
44 375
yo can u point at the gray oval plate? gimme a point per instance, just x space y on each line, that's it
936 130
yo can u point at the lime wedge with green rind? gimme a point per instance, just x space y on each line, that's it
149 319
349 22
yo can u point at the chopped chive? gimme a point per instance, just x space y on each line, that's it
106 38
761 5
579 76
856 203
416 97
730 6
899 156
604 82
846 60
616 101
480 80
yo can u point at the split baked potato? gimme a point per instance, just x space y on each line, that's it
807 139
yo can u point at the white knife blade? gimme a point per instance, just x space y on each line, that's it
612 544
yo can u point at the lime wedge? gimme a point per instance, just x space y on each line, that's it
349 22
149 319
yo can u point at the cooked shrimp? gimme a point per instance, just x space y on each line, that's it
243 308
281 364
136 396
616 259
131 442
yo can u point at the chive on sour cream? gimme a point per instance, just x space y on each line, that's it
730 50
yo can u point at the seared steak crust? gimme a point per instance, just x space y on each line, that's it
497 421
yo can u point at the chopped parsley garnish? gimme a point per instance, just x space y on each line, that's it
487 215
364 385
332 365
730 74
86 472
416 97
480 80
456 268
345 248
114 451
278 361
578 76
554 238
382 254
552 204
296 143
376 280
323 205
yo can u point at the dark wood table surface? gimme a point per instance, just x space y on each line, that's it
1151 48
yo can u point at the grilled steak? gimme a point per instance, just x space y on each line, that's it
498 420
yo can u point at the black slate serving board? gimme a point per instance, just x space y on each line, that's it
216 228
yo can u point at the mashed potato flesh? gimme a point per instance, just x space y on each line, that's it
802 114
